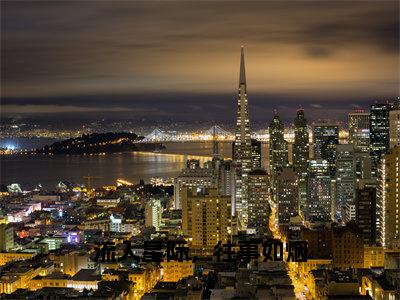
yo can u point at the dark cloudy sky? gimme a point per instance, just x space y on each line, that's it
180 60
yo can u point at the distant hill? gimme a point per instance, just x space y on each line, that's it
110 142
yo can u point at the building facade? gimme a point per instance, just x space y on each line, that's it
389 199
153 213
206 216
345 178
379 133
347 247
394 127
278 147
366 210
359 130
287 199
242 149
6 237
319 191
193 175
259 197
301 143
325 139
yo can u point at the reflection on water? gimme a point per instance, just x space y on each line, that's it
133 166
49 170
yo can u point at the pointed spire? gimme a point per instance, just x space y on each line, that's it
242 78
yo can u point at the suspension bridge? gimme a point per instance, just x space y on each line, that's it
214 133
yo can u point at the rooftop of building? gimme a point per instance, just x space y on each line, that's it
44 293
54 275
86 275
350 297
350 227
165 285
258 172
340 276
319 273
112 289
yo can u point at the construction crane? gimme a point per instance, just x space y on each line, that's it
89 190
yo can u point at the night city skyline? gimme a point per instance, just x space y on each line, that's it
200 150
154 61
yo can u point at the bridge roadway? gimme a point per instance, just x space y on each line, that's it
190 141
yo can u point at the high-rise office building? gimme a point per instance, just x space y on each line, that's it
366 213
319 191
345 178
325 139
394 127
359 130
256 159
194 175
379 133
362 162
389 199
226 177
301 155
278 150
153 214
206 216
278 147
301 143
6 237
287 196
259 209
256 154
242 149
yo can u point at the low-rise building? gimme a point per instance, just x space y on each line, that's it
173 271
374 256
347 247
6 257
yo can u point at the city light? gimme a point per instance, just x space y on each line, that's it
145 154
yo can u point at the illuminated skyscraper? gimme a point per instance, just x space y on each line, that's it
388 224
153 212
287 195
278 147
319 191
379 133
242 149
256 154
345 178
226 177
300 146
259 209
362 165
301 155
206 216
278 150
394 127
359 130
365 204
325 139
196 176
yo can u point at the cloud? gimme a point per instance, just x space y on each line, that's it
44 109
318 52
315 105
137 54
